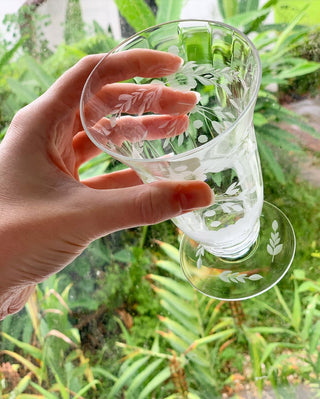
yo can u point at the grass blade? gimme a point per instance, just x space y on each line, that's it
155 382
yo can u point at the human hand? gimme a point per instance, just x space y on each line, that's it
47 216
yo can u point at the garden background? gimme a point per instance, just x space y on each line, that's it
121 321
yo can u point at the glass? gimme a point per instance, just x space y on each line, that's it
240 246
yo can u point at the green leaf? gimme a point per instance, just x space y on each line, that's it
172 268
180 304
44 392
29 365
228 8
105 373
267 156
170 251
185 334
248 5
287 31
240 20
86 388
314 338
282 302
182 289
137 13
142 376
309 316
4 60
127 375
271 330
22 91
40 74
311 286
188 322
214 337
31 350
296 311
302 68
169 10
155 382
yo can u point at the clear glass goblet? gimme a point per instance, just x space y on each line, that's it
240 246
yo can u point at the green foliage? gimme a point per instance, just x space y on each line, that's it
74 25
137 13
52 357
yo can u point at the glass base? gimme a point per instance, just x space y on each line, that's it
263 266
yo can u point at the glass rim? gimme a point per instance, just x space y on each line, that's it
174 157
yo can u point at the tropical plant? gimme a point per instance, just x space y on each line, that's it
51 363
202 346
275 43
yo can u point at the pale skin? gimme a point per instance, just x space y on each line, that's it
47 215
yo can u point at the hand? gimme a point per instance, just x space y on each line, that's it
47 216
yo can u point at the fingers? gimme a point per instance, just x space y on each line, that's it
113 68
119 179
133 129
112 210
128 98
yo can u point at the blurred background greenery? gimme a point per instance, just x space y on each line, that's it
121 322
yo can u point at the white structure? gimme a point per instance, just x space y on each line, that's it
104 12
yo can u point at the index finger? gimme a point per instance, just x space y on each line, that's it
112 68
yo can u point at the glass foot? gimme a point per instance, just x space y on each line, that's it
257 271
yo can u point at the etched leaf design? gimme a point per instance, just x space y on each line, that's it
229 277
274 247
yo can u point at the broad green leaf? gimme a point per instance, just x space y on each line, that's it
287 31
31 350
137 13
311 286
248 5
180 304
169 10
259 119
95 166
185 334
172 268
176 342
302 68
240 20
188 322
171 251
127 375
228 8
182 289
142 376
155 383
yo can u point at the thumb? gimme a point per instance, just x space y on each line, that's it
117 209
